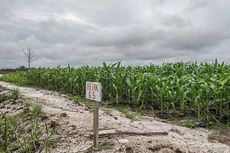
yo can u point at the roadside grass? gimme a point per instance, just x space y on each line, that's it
106 145
102 146
18 78
189 122
24 131
107 108
221 134
83 101
34 108
15 94
220 131
129 113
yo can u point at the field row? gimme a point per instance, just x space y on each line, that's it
201 90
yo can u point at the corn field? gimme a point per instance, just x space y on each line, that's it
198 90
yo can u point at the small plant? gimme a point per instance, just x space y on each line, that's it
34 108
6 136
48 140
128 112
7 125
106 145
23 132
220 133
15 94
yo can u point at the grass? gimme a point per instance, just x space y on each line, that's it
17 78
127 111
15 94
221 134
107 110
106 145
83 101
34 108
23 131
221 131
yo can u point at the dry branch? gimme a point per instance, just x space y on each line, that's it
117 133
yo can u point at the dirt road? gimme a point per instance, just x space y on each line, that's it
76 125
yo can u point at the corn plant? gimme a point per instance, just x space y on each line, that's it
201 90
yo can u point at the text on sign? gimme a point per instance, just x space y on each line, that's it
93 91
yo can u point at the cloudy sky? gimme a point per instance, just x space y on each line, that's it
79 32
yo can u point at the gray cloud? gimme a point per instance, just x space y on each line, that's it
133 31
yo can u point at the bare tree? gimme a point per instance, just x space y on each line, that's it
29 54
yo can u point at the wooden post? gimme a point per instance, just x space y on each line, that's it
95 125
94 93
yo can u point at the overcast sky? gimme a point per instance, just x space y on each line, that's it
79 32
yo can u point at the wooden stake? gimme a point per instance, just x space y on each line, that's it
95 125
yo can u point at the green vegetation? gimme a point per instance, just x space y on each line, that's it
124 109
15 94
106 145
17 77
24 132
221 134
128 112
83 101
198 90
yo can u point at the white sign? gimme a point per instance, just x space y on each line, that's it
93 91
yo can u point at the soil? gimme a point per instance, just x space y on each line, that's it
76 122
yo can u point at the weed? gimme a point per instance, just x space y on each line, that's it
48 140
106 145
23 131
34 108
83 101
15 94
127 111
